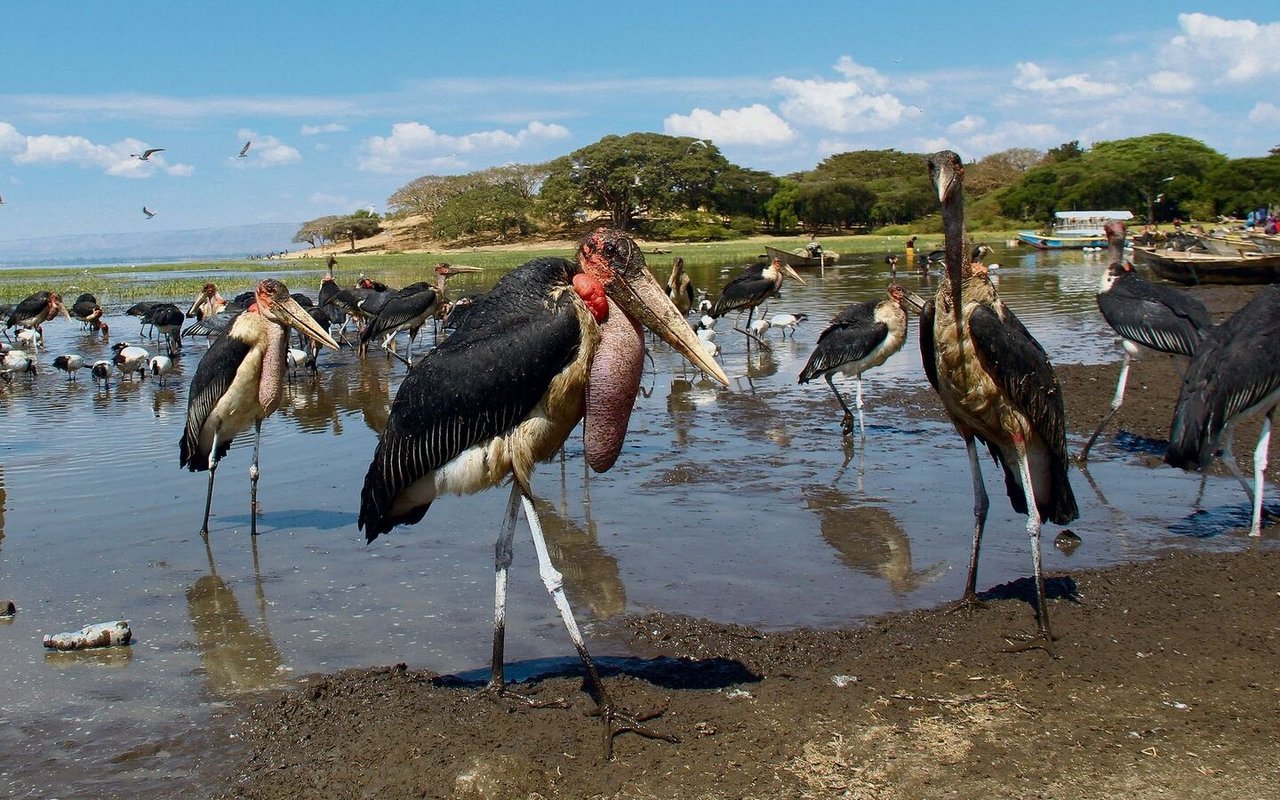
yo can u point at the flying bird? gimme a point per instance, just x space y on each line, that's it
1233 376
244 151
148 212
553 342
240 382
145 155
998 387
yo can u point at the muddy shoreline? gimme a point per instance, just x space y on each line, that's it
1165 685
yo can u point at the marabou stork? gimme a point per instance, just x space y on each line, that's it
240 382
1145 315
680 287
860 337
751 288
998 387
207 303
167 319
408 309
554 340
1234 375
35 310
83 307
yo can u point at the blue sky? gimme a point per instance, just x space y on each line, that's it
346 103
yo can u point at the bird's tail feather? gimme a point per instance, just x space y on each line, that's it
1192 439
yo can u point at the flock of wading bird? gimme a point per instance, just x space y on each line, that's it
557 342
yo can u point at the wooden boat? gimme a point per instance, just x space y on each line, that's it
800 260
1074 230
1196 268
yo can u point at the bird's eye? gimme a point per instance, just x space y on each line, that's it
610 249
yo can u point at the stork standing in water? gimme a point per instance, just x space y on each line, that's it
240 382
554 340
408 309
752 287
1233 376
998 387
35 310
1146 316
862 336
680 287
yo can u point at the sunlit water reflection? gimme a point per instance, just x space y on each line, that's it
740 505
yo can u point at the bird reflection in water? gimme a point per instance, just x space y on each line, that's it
680 410
163 401
4 500
591 576
237 656
868 539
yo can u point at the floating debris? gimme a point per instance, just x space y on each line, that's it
101 634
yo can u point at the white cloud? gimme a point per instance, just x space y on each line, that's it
1010 134
1033 78
966 125
113 159
134 106
1170 82
754 125
1228 51
1265 114
842 106
413 146
180 170
329 127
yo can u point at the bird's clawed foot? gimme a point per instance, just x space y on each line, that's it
499 692
846 425
969 602
1041 640
618 722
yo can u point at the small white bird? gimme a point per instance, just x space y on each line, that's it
706 334
711 347
759 326
707 321
130 359
101 370
145 155
244 151
160 367
296 358
70 364
30 339
704 306
19 361
787 322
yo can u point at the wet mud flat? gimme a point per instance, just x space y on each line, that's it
1164 685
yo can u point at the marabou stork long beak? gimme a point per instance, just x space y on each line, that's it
295 316
455 270
790 272
915 301
644 300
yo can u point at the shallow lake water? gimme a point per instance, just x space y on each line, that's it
738 504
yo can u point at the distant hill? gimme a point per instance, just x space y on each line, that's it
211 244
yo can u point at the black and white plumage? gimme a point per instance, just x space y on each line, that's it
1233 376
239 383
860 337
70 363
160 368
407 309
167 319
244 151
148 212
552 341
84 306
752 287
129 359
1145 315
998 388
680 287
146 155
36 309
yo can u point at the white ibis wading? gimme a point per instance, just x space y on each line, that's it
240 382
1234 375
553 341
752 287
1146 316
998 387
862 336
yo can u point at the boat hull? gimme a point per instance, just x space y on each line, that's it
1042 241
797 260
1197 268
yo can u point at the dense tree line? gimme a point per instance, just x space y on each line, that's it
681 187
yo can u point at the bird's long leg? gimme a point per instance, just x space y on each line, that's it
1115 406
253 478
1229 458
980 506
501 563
862 428
208 497
1044 636
846 425
750 313
1260 467
614 720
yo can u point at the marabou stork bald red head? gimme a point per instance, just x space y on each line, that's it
207 303
554 340
36 309
998 387
239 382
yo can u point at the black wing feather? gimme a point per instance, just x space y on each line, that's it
1155 316
216 371
741 292
479 383
928 352
852 335
400 310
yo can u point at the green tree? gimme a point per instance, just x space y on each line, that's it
500 209
360 225
999 170
428 194
780 209
1067 151
1244 184
316 231
837 203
